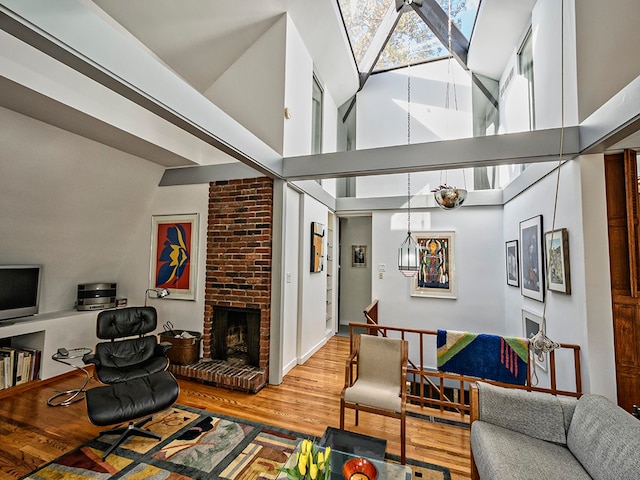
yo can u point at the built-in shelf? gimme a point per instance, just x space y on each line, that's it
329 323
47 332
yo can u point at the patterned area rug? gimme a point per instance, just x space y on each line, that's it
195 445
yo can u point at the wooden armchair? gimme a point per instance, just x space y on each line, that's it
375 377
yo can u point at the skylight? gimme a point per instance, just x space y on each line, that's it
411 41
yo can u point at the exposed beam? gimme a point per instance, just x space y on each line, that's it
483 88
207 173
378 42
618 118
438 21
512 148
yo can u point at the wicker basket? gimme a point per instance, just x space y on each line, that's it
185 350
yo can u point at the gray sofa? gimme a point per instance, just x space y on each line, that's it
520 435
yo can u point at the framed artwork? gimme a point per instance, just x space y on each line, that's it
436 276
513 266
530 326
317 243
531 253
557 250
358 255
174 255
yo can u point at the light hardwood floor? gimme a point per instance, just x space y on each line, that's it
307 401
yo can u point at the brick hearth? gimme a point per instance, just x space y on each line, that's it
238 274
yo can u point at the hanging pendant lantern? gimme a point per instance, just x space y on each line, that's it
409 257
409 251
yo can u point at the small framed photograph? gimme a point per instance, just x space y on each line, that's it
174 254
436 276
557 250
358 256
513 266
531 253
530 326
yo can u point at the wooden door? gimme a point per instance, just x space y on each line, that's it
621 178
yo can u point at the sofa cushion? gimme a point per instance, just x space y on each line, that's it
536 414
568 407
502 454
605 439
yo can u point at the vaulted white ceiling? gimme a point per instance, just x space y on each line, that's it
200 39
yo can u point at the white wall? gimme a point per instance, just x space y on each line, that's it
479 263
568 319
73 205
297 95
382 106
548 72
252 89
183 314
355 282
608 46
313 294
599 316
548 19
291 280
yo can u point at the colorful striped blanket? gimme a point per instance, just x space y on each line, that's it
490 357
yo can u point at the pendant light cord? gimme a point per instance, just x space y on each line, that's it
540 342
408 135
555 200
408 203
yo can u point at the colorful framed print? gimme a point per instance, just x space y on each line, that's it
317 245
531 253
358 256
436 276
530 326
557 250
174 254
513 266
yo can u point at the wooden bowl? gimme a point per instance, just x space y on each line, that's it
359 469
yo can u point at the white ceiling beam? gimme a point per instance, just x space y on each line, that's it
614 121
512 148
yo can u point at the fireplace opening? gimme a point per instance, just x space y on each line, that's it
235 334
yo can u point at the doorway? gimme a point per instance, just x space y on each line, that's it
354 269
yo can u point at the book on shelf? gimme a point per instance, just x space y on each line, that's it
33 367
19 365
8 355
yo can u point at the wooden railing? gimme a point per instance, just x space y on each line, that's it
428 385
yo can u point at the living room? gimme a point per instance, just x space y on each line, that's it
86 168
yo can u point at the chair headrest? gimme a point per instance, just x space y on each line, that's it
126 322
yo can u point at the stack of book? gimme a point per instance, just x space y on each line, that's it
18 366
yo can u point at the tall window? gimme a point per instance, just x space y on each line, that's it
525 66
316 121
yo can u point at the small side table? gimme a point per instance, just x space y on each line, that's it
70 396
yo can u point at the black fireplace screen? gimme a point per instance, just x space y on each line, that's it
235 335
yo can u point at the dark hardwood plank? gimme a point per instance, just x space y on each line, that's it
307 401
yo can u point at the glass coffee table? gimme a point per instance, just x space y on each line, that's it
386 470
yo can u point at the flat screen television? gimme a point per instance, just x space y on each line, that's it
19 290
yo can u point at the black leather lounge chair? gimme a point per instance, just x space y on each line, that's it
132 365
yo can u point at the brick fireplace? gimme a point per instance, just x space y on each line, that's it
237 286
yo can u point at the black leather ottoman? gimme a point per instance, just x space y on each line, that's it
130 400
